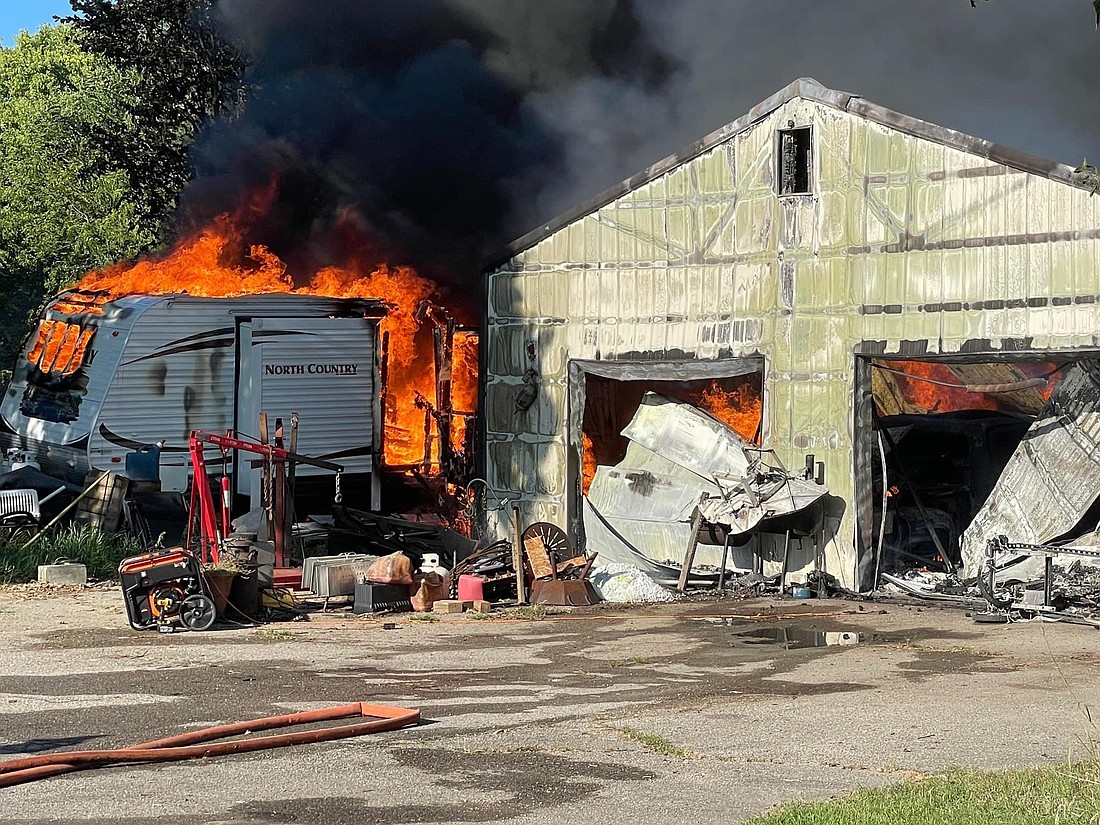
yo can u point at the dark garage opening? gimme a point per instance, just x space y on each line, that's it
943 433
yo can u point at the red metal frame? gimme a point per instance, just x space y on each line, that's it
211 533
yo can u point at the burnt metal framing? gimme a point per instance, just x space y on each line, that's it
634 370
864 444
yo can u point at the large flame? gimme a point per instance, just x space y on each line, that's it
215 263
934 387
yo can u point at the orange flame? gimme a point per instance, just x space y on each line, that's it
933 387
214 263
59 347
464 363
589 464
740 409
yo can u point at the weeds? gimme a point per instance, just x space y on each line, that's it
1065 794
536 612
655 743
423 617
98 551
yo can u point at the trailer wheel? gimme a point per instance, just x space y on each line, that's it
197 612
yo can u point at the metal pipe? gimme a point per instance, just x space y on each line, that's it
64 512
194 744
725 557
54 494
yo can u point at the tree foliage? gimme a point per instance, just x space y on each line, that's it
64 207
186 73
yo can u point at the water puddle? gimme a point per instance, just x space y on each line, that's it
793 638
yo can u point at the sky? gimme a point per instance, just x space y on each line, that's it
1022 73
16 15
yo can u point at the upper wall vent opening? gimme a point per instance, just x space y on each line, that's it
794 154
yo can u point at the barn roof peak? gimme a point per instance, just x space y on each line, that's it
806 88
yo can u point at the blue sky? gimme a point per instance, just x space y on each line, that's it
16 15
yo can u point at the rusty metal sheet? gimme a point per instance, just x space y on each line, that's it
1052 479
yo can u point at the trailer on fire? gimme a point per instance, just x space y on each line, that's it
101 378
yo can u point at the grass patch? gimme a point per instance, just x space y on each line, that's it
100 552
535 612
424 617
481 617
1058 795
655 743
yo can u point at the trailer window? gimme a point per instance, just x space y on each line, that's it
55 383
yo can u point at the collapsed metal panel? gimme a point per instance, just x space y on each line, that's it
687 437
1053 477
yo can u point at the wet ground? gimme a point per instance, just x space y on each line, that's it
607 715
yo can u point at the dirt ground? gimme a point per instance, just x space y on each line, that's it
720 709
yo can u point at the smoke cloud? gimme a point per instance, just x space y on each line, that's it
417 115
453 126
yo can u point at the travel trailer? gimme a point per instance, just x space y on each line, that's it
99 379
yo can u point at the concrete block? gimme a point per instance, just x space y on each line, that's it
62 574
481 607
449 606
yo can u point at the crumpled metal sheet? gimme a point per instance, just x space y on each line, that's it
1053 477
645 545
640 511
687 437
639 494
747 502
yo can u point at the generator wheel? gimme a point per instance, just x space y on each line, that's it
197 612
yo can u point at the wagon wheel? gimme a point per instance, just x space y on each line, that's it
554 542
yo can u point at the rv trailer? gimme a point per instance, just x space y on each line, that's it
98 379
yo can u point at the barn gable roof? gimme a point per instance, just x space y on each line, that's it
808 89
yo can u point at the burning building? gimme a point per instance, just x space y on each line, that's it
830 277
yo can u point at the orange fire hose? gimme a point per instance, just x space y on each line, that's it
189 745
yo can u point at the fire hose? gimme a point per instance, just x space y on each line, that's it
192 745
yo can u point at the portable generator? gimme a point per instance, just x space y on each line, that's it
164 588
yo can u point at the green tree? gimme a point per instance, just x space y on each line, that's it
63 209
186 73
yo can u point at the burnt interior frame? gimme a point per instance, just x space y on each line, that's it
865 449
655 371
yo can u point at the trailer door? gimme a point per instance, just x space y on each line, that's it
324 370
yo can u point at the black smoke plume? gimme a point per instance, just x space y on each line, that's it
416 124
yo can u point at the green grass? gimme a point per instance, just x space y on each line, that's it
100 552
1056 795
423 617
655 743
